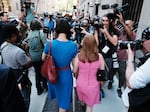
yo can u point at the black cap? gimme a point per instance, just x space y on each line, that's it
1 13
146 33
9 29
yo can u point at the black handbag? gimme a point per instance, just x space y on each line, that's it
102 76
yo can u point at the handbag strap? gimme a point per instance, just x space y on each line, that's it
50 52
50 48
1 53
40 40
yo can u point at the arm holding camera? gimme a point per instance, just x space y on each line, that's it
127 25
139 80
83 30
140 77
130 65
96 36
113 39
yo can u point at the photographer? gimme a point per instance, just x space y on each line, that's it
107 39
139 79
83 29
125 34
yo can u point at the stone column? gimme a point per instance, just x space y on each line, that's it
144 18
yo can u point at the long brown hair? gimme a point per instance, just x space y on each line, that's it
89 50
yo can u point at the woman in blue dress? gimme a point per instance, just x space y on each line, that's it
63 52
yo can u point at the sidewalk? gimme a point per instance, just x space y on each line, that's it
111 102
41 103
37 101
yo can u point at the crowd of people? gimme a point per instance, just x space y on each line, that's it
80 45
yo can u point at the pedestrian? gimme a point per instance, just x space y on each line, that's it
17 59
10 96
36 41
46 25
139 78
87 63
3 20
63 51
30 13
52 24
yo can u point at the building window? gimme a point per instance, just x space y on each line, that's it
96 9
5 5
134 10
17 7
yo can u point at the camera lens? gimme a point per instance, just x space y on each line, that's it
136 45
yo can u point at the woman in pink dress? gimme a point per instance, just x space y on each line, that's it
86 64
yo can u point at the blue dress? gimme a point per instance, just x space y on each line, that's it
63 53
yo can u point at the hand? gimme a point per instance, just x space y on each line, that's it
130 53
103 30
83 30
120 16
72 30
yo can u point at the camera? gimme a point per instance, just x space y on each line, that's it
16 22
99 25
118 10
77 28
135 45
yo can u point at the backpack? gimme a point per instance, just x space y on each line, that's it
1 57
35 41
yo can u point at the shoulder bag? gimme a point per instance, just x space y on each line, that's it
102 75
48 68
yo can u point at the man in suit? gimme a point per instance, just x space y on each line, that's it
11 99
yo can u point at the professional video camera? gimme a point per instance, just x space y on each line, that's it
99 25
78 26
118 10
135 45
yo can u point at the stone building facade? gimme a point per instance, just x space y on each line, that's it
138 11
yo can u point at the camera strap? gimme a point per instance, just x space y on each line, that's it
143 59
1 57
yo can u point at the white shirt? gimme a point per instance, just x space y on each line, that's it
13 56
125 97
141 77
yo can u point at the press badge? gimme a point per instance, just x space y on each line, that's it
105 49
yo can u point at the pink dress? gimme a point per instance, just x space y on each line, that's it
88 88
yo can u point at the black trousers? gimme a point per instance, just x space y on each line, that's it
23 79
41 82
145 107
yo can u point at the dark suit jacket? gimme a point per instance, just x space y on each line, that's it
11 99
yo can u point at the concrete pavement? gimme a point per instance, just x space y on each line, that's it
111 102
37 101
